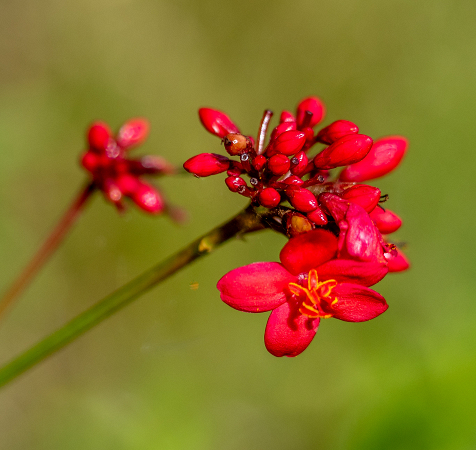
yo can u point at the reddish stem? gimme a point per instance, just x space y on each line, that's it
263 129
47 249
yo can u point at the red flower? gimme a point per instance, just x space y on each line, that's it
309 284
118 176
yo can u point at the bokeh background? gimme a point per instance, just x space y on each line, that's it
178 369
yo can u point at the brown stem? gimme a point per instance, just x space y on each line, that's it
46 250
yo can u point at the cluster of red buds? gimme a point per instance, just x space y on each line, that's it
118 176
337 226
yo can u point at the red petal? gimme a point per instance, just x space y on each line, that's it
256 287
398 263
386 221
216 122
346 150
308 251
288 333
363 195
133 133
356 303
385 155
351 271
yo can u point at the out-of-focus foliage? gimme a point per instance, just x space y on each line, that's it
179 369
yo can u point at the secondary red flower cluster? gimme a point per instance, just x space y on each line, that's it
337 249
118 176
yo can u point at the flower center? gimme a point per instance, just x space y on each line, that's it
317 299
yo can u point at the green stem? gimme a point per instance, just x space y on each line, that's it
244 222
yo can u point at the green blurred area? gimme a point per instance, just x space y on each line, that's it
178 369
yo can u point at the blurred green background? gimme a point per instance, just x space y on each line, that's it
178 369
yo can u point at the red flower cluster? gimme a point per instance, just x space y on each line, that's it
118 176
337 227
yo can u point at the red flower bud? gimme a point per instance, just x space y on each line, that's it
133 133
302 199
286 116
269 198
235 184
299 163
336 130
313 105
386 221
259 162
147 198
344 151
289 142
280 129
293 180
128 184
385 155
363 195
317 216
206 164
216 122
279 164
90 161
99 135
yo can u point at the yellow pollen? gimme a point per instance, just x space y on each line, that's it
317 298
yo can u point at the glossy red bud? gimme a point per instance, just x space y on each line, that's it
336 130
286 116
293 180
386 221
217 122
90 161
269 198
235 183
147 198
384 156
279 164
397 263
313 105
317 216
206 164
299 163
133 133
344 151
280 129
302 199
128 184
259 162
289 142
99 135
363 195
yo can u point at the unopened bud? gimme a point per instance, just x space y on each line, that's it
302 199
286 116
99 135
259 162
279 164
289 142
147 198
269 198
133 133
280 129
299 163
206 164
293 180
315 106
336 130
317 216
217 122
384 156
344 151
235 183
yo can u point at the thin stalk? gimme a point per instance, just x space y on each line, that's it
244 222
47 249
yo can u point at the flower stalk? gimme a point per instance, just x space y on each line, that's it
47 249
246 221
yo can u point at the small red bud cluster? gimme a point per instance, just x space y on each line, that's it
118 176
